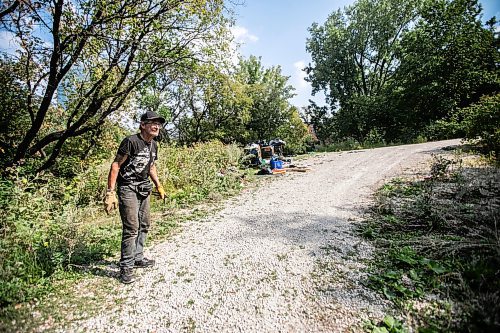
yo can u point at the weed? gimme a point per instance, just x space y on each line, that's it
440 167
282 257
438 246
388 325
52 226
190 325
211 310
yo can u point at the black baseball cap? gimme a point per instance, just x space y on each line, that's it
151 116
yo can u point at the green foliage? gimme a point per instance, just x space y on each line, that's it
347 144
44 232
191 174
14 116
294 133
372 140
232 104
354 61
322 121
353 53
481 122
217 106
401 69
388 325
88 150
437 244
73 88
51 225
408 275
269 91
236 105
448 61
442 129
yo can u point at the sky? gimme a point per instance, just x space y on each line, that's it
276 30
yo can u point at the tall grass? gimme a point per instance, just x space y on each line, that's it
50 225
374 139
191 174
437 247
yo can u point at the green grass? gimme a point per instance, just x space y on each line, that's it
388 325
437 247
54 229
352 144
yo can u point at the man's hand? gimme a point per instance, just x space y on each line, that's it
110 202
161 191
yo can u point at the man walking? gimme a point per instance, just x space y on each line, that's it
134 164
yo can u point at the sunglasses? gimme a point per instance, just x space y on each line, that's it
154 123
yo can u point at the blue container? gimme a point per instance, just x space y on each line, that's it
272 163
276 164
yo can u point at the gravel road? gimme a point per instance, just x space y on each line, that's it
278 258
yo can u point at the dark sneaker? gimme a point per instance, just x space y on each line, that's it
145 262
127 275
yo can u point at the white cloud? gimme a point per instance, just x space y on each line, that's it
303 88
241 35
299 75
8 42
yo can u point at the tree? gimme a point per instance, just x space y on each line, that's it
13 115
392 68
481 121
354 60
241 104
321 119
448 61
294 132
8 8
91 55
354 52
269 91
216 107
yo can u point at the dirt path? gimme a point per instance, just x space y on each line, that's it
281 258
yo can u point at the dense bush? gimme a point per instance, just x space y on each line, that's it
45 231
478 123
481 121
14 117
374 139
190 174
50 224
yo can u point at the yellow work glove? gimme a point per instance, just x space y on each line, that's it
110 202
161 191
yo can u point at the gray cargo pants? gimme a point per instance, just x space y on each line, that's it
134 212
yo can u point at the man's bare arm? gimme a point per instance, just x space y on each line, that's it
154 175
114 170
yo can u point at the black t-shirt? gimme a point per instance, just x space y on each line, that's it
141 155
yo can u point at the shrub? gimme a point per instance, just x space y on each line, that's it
347 144
481 122
374 138
190 174
437 246
44 232
51 224
442 130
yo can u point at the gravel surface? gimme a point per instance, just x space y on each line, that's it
278 258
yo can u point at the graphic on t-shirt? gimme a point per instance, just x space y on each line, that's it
137 164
